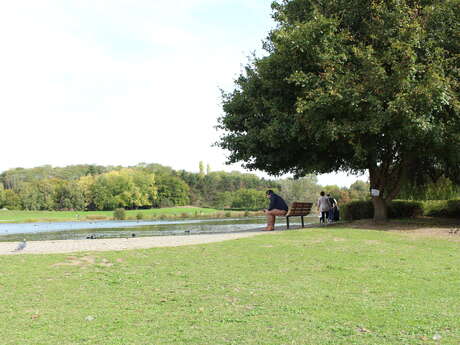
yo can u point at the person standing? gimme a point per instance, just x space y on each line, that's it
323 207
333 209
277 207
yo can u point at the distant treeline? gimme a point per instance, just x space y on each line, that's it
95 187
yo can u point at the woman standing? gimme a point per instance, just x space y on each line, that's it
323 207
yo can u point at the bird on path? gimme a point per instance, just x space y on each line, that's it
21 245
454 231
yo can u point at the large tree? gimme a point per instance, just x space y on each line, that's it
351 85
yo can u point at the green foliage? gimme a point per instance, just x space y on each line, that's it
139 216
303 189
207 190
145 186
224 200
351 85
249 199
355 210
12 201
69 196
396 209
435 208
127 188
172 191
442 208
13 177
2 196
119 214
405 209
453 208
441 189
38 194
201 168
359 190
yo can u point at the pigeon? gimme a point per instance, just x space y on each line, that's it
133 235
21 245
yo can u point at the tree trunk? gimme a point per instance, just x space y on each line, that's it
380 209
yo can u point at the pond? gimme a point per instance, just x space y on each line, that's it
114 229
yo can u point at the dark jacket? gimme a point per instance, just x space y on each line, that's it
277 202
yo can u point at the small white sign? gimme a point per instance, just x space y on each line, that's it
375 192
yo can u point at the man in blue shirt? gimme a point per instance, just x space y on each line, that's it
277 207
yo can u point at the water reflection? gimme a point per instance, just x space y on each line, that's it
124 229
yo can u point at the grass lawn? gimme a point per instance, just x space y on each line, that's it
316 286
10 216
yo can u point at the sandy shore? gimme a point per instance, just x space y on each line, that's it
71 246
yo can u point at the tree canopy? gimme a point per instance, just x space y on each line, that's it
352 85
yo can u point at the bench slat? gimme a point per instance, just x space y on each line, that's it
299 209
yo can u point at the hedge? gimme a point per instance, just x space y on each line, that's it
442 208
355 210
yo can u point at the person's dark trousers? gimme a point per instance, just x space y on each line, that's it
331 215
323 217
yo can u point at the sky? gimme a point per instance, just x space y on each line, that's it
120 82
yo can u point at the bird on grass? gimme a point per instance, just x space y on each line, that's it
21 245
454 231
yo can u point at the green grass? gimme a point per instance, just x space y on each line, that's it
316 286
46 216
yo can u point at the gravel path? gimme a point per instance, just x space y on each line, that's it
71 246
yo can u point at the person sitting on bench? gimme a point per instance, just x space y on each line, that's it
277 207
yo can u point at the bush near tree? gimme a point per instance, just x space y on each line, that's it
360 209
119 214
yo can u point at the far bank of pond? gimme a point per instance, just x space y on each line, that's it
117 229
13 216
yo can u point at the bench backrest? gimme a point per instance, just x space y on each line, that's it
299 209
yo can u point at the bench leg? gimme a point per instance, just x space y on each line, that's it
301 217
287 222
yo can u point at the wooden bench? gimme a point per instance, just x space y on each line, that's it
298 209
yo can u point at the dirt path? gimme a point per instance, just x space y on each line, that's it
71 246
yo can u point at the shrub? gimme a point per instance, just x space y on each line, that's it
357 210
453 208
139 216
435 208
405 209
396 209
119 214
442 208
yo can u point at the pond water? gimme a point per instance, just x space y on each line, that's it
114 229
